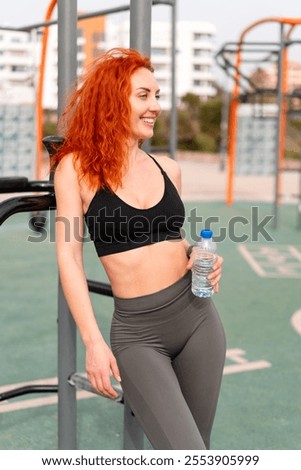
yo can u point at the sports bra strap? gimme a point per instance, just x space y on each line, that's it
159 166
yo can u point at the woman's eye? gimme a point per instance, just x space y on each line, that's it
157 97
143 96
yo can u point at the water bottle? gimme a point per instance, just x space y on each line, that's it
204 258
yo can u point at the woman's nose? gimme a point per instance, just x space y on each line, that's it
155 106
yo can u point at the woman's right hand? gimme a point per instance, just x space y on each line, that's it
100 363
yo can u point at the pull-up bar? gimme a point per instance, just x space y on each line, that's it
280 50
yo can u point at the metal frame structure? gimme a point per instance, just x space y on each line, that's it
230 59
68 378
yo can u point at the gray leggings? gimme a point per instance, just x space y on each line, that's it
170 349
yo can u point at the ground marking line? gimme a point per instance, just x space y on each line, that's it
249 258
241 363
296 253
278 261
235 355
296 321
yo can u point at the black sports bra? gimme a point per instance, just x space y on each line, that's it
116 226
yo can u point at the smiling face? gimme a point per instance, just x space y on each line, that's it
144 104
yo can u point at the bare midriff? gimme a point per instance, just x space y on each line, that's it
146 270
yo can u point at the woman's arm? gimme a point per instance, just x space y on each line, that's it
173 170
69 233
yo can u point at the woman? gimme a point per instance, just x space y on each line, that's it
168 346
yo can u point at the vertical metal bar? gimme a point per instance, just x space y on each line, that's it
140 25
133 436
173 114
224 129
299 199
140 39
279 123
67 49
66 367
140 34
67 57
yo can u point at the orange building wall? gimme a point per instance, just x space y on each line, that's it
92 27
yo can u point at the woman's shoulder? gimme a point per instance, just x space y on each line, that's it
67 167
171 167
65 171
66 164
168 163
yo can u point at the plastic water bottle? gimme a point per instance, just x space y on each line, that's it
205 256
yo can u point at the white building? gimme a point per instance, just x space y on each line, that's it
194 57
19 59
17 72
195 48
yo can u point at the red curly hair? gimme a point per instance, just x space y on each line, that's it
96 121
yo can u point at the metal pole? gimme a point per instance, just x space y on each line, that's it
173 114
140 25
224 128
299 199
140 33
67 49
67 57
279 124
66 367
140 39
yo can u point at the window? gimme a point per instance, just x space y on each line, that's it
159 67
201 67
98 36
201 36
159 51
95 52
18 53
202 83
18 68
200 52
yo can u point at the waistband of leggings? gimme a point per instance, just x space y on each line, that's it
156 300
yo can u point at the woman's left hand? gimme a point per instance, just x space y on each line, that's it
215 275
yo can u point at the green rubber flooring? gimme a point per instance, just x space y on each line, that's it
259 303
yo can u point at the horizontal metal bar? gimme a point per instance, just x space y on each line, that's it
109 11
100 288
19 204
80 17
17 392
20 184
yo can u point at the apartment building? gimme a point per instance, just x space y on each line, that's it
19 58
194 56
17 70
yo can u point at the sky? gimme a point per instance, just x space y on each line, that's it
230 17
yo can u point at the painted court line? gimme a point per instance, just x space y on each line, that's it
241 364
275 261
296 253
296 321
249 258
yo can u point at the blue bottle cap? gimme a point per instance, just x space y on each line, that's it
206 233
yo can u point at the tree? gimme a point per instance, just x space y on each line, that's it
198 124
